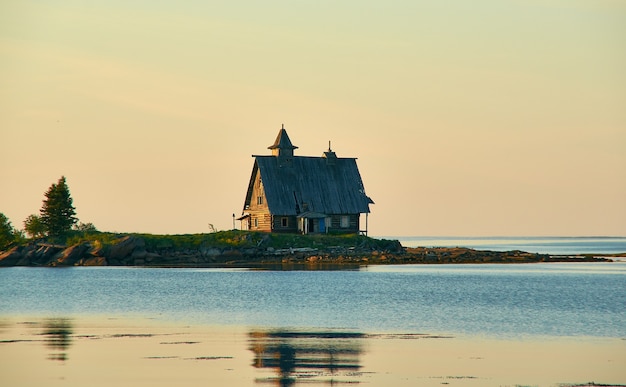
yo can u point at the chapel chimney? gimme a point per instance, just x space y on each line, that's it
330 156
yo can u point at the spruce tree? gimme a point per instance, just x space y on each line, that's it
6 232
57 212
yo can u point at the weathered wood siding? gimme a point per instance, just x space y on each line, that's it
260 217
277 224
353 223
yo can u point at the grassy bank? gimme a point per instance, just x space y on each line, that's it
233 239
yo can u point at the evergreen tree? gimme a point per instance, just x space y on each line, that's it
57 212
34 226
6 232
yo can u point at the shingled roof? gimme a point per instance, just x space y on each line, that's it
312 184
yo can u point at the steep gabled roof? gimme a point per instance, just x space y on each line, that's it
311 184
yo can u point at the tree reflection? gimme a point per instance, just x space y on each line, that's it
58 337
314 357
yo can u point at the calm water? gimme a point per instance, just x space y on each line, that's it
544 245
497 300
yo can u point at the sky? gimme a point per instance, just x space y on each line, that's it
468 118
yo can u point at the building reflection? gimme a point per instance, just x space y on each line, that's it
307 357
58 337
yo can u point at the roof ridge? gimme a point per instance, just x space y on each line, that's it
307 157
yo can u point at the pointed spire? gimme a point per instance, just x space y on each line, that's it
282 146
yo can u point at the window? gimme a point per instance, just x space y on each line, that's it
259 200
284 222
345 221
256 222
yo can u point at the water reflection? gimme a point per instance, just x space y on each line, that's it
58 337
311 357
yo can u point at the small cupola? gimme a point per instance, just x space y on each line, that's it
330 156
282 147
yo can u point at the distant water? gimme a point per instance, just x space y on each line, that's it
543 245
513 300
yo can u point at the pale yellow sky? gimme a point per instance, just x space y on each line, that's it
468 118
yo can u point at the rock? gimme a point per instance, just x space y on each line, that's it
44 254
71 255
24 261
92 261
139 254
11 257
395 247
125 248
232 253
97 250
151 257
210 252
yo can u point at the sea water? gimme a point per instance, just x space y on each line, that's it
543 245
512 300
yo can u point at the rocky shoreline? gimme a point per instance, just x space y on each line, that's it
133 251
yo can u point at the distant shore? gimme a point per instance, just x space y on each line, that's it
252 249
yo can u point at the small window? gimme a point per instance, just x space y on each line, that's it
345 221
284 222
256 222
259 200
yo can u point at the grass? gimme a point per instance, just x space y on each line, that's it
232 239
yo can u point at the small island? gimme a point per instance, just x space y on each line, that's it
253 249
320 241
